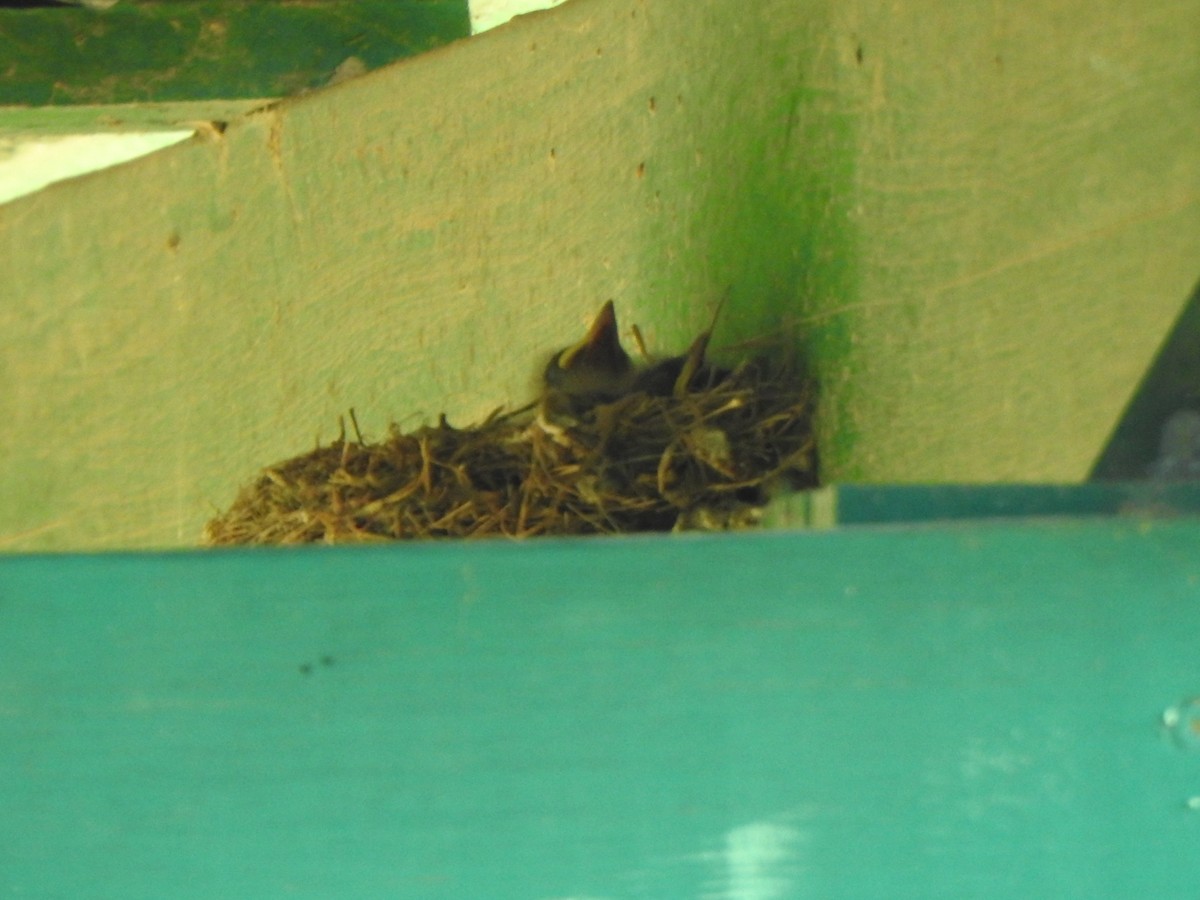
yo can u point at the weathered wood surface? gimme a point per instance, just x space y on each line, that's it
981 219
983 712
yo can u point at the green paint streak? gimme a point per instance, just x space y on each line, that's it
778 233
828 266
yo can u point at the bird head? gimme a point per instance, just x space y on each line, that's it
597 366
595 370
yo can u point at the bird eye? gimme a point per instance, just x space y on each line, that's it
555 369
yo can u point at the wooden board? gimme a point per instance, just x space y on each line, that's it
974 711
1033 188
979 221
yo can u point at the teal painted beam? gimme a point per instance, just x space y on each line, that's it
986 711
872 504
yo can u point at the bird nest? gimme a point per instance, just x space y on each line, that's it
707 458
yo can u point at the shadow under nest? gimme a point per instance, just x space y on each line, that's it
705 459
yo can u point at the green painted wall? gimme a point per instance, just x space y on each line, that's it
979 220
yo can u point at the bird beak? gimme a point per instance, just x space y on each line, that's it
601 344
692 363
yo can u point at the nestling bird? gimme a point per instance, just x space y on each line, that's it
594 371
676 375
597 370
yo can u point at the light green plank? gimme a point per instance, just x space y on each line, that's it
1020 171
28 122
980 219
946 712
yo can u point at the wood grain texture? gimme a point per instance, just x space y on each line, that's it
985 712
981 240
1032 185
